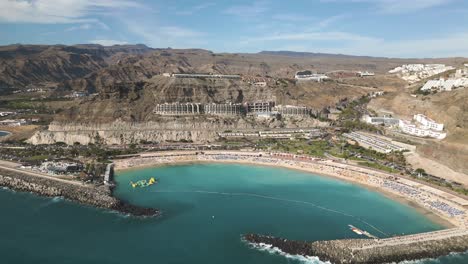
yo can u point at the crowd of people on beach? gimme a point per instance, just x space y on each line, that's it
446 208
327 167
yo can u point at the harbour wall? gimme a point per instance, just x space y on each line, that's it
100 197
373 251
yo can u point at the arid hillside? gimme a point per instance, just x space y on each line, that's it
91 67
450 108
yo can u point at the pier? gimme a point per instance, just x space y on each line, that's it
374 251
109 174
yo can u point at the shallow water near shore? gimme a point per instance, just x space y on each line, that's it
206 208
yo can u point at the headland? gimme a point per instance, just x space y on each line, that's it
45 185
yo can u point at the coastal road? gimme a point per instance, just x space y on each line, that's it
8 166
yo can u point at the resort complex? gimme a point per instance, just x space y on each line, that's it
416 72
258 108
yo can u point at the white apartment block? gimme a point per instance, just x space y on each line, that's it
291 110
424 127
428 123
365 73
416 72
445 85
412 129
309 76
380 120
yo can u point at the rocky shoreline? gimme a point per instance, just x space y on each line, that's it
100 197
370 251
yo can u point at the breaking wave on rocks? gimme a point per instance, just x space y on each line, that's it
276 251
54 200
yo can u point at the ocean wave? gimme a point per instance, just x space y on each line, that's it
57 199
276 251
54 200
8 189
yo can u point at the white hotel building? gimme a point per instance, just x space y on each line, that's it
425 127
428 123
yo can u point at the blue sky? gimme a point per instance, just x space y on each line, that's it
392 28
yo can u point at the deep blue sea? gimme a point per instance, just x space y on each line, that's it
206 208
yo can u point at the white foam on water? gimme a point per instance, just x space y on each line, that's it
57 199
276 251
8 189
54 200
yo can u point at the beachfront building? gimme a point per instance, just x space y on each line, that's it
427 123
291 110
202 75
228 109
178 109
309 76
373 142
380 120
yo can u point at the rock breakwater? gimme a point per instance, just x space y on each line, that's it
373 251
100 197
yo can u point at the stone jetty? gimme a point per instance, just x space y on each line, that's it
100 197
373 251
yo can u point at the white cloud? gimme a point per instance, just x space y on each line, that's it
57 11
165 36
291 17
255 9
195 9
397 6
330 20
107 42
85 26
178 32
311 36
448 45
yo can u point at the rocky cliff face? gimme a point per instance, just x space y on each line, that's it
198 129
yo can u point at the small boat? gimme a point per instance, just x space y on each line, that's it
356 230
143 183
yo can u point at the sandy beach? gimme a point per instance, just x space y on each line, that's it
440 207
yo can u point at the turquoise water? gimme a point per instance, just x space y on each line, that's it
4 133
206 209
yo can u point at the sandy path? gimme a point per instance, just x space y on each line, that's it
436 168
